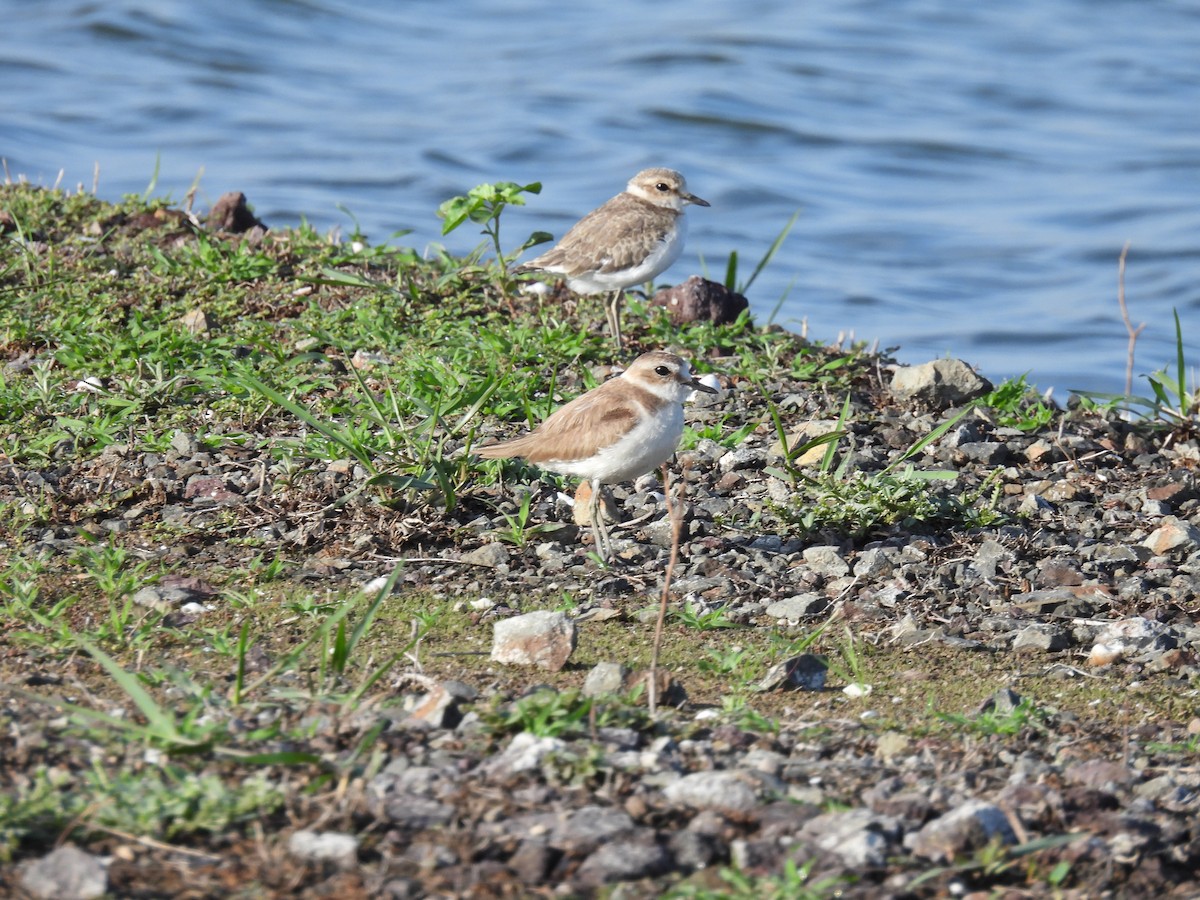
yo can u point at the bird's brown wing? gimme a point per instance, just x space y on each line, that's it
608 239
576 431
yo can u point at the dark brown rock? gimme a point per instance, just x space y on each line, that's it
700 300
230 213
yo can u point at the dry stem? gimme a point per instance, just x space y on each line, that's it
675 511
1133 332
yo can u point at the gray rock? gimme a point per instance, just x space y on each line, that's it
742 458
544 639
605 678
861 837
725 792
490 555
872 563
938 384
1041 637
797 607
827 561
325 847
586 828
66 874
961 830
523 753
1173 534
805 672
623 861
990 556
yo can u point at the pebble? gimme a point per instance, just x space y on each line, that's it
67 873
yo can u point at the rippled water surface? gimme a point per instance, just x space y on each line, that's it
967 173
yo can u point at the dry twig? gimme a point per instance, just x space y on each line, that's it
1133 332
675 511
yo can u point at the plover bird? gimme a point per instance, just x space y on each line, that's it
624 428
629 240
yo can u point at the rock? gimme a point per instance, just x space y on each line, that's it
66 874
861 837
325 847
827 561
990 556
523 753
231 213
623 861
605 679
587 828
725 792
1040 638
1099 774
490 555
1126 636
195 321
960 831
700 300
805 672
425 700
801 435
798 607
742 458
938 384
544 639
1173 534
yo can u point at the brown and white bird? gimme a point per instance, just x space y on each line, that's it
628 241
626 427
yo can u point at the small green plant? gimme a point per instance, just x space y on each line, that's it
484 204
547 713
1171 403
857 502
1017 406
850 667
745 716
690 616
222 261
1008 722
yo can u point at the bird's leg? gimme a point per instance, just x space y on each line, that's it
612 310
599 530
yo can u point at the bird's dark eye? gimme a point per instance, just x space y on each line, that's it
662 371
662 186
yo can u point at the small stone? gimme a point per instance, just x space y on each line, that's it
544 639
1040 637
195 321
961 830
827 561
938 384
605 679
861 837
798 437
623 861
725 792
798 607
805 672
700 300
67 873
1173 534
325 847
524 753
491 555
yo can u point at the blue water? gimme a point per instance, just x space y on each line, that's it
966 173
